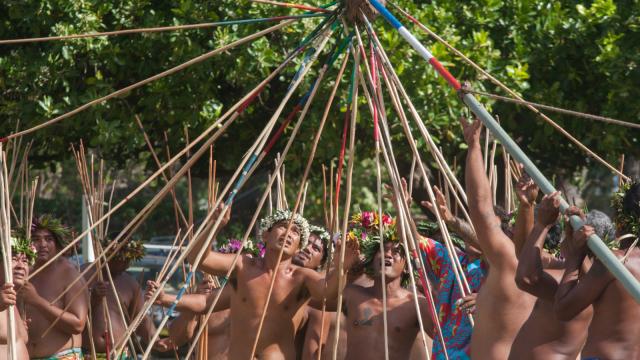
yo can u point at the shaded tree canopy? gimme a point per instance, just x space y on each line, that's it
572 54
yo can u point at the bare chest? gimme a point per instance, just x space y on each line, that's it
287 295
366 315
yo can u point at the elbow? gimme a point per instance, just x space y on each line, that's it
76 326
525 280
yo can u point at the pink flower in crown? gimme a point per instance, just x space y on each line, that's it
387 220
363 235
368 218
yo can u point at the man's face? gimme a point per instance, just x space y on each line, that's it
277 237
205 286
20 268
45 244
394 261
117 266
311 256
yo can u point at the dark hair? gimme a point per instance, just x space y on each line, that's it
631 202
368 266
602 224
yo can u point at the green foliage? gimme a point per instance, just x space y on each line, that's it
578 55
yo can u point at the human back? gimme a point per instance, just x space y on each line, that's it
615 328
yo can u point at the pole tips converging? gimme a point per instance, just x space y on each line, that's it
354 8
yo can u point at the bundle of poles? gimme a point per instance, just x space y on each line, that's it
371 73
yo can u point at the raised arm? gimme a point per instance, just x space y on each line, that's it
459 226
496 246
527 192
214 262
530 275
578 290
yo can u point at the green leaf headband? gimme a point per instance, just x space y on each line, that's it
285 215
20 245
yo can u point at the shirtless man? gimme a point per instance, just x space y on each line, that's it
251 278
315 329
22 256
64 339
502 308
130 296
363 305
543 336
613 332
182 329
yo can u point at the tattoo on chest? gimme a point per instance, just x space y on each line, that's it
366 319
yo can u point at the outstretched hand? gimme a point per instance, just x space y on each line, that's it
549 209
393 197
152 288
526 189
471 130
351 254
441 203
225 217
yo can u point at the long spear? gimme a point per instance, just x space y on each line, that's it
5 241
594 242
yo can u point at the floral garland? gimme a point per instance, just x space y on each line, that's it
285 215
20 245
231 246
364 228
132 251
321 232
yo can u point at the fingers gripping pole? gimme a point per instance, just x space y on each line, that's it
594 242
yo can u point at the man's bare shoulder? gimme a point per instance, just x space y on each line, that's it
66 268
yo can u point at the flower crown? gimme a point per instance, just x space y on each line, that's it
364 228
628 222
285 215
20 245
321 232
132 251
231 246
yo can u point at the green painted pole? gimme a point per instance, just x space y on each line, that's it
594 242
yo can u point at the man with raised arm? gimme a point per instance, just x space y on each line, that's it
251 279
363 305
452 308
62 340
22 255
131 300
613 332
543 336
502 308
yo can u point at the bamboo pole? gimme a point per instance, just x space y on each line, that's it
232 114
271 180
594 242
5 241
257 146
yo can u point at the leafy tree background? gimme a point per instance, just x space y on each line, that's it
581 55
